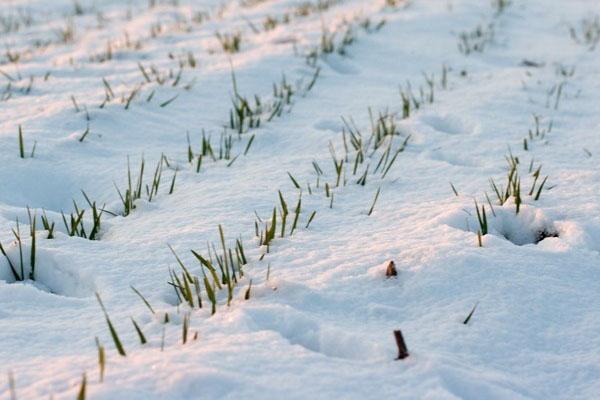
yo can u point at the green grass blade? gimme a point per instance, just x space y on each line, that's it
113 331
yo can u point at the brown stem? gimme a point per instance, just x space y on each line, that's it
402 350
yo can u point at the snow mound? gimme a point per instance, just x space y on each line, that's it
50 275
529 226
447 123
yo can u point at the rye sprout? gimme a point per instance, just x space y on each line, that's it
101 359
111 328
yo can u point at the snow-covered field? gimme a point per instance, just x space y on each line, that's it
458 138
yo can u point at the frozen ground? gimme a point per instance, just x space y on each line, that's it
321 325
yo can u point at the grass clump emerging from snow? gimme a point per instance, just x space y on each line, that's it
513 215
186 285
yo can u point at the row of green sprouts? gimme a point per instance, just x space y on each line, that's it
151 75
86 222
114 47
231 42
206 150
329 43
67 34
221 270
247 113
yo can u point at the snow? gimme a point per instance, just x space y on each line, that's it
322 325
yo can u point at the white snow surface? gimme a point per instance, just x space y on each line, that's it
321 326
